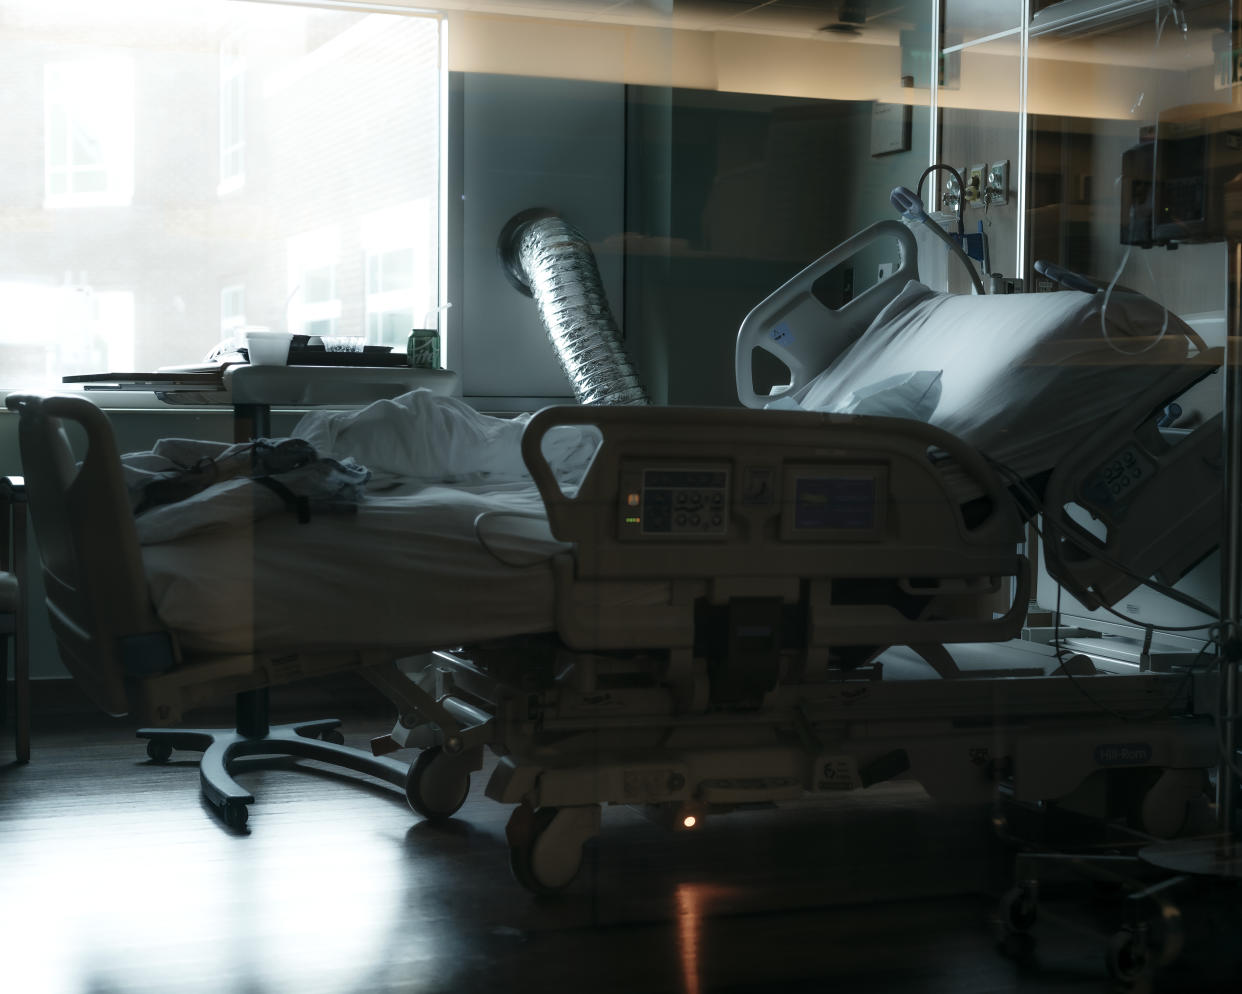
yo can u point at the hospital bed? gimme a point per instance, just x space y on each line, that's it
725 608
799 641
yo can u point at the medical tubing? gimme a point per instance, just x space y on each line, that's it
961 185
547 258
956 249
912 209
1108 295
479 537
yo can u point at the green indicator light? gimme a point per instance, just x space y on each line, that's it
633 521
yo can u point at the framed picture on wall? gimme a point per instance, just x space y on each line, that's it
890 128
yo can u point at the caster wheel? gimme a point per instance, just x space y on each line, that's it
435 787
530 864
1018 910
236 814
159 751
1126 956
522 857
332 735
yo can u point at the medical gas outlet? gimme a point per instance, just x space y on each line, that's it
987 185
973 175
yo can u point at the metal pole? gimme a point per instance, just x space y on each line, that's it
1231 560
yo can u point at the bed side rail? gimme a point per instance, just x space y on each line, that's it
797 328
1152 505
773 490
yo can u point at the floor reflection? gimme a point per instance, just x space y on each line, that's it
694 901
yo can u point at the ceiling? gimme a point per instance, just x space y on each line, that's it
875 21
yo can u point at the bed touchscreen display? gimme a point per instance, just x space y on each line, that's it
844 503
830 502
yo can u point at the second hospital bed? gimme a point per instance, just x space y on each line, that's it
692 615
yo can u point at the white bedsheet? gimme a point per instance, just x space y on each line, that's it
1021 377
453 546
406 569
393 446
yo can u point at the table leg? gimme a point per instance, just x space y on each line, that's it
251 421
21 642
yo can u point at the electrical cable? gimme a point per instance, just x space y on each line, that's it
961 185
537 558
1108 296
1164 709
910 205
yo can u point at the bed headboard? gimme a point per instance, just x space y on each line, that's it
796 327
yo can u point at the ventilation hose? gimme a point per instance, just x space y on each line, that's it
548 259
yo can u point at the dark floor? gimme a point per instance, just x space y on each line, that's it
115 878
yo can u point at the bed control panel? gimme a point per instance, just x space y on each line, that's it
674 500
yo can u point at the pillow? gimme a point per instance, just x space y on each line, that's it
906 395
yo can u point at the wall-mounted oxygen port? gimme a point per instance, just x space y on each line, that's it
975 177
996 184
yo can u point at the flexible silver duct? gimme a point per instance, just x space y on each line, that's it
548 259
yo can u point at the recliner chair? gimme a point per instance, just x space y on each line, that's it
125 659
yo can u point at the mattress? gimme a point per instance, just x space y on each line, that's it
1021 377
449 542
430 567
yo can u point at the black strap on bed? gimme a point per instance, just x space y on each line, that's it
297 503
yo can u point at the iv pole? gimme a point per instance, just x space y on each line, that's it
1231 585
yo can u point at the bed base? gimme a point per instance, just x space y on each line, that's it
769 683
605 731
224 751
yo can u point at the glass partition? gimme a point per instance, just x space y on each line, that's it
1122 122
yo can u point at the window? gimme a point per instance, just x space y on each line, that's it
76 327
232 310
401 273
232 118
314 307
194 143
89 132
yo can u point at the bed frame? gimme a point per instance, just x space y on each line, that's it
765 673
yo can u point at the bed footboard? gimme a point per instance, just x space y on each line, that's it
839 530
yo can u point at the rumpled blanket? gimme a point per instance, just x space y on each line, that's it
335 458
184 485
426 438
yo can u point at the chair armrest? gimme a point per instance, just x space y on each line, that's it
13 489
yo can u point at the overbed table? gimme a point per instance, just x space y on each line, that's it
253 391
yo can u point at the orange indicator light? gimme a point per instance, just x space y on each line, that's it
633 500
689 821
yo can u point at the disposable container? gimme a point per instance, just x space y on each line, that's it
268 348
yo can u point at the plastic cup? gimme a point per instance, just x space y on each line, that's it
268 348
